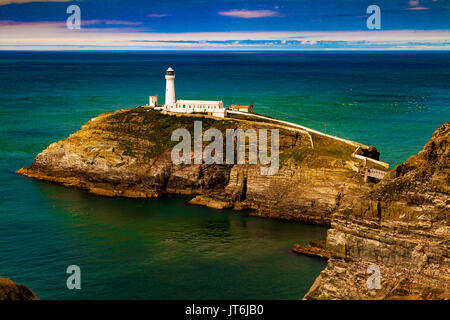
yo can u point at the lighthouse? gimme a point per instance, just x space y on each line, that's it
170 88
214 108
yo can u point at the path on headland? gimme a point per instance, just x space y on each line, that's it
353 143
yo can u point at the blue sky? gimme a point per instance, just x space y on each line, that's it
225 25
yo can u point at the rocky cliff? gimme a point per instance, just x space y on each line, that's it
401 227
9 290
128 153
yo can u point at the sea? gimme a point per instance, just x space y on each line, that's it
165 248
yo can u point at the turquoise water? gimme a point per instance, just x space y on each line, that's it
152 249
164 248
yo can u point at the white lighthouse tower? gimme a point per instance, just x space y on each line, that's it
170 88
214 108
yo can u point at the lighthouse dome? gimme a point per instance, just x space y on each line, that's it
170 71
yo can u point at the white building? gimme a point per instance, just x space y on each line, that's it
215 108
153 101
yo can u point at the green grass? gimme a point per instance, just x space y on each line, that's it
147 124
157 128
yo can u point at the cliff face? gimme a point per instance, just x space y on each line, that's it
9 290
402 226
128 153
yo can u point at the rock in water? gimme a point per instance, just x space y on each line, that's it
9 290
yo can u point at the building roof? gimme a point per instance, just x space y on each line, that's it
198 102
170 69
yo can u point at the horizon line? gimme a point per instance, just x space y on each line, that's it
225 49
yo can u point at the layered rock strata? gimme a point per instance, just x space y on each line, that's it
400 227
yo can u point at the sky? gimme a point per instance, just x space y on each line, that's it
225 25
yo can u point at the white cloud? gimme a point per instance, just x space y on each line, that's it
60 24
55 36
6 2
158 15
111 22
250 14
312 42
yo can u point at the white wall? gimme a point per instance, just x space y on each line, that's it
170 90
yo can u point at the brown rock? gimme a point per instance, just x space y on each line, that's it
400 224
402 227
9 290
314 248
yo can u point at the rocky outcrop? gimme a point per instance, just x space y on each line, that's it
9 290
400 227
128 153
316 248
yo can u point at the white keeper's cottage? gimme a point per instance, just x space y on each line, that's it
215 108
